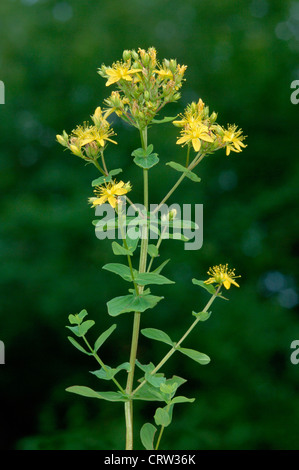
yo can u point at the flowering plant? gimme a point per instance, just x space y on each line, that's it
144 87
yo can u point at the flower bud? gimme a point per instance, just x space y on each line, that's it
146 95
213 117
206 112
75 150
173 65
134 55
145 59
61 140
172 214
126 55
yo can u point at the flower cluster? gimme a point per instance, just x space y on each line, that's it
145 86
200 130
88 141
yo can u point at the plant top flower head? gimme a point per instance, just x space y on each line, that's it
222 275
110 193
144 85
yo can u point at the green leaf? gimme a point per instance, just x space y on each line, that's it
168 389
149 393
101 180
178 381
73 319
81 315
82 390
105 374
189 174
145 367
85 326
131 303
202 316
115 172
181 399
208 287
157 335
197 356
152 251
88 392
159 268
188 224
108 373
145 158
162 417
178 236
81 330
155 379
120 250
164 120
106 179
143 279
121 269
111 224
102 338
147 162
147 434
78 346
132 238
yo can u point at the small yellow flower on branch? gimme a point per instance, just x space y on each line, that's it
222 275
110 193
119 72
195 133
233 139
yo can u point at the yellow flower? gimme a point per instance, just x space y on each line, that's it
84 135
110 193
233 139
195 132
222 275
120 72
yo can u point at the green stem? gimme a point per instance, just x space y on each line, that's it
102 364
157 246
159 438
136 324
173 350
188 156
104 163
123 235
96 164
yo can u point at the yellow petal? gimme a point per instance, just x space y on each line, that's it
183 139
118 185
112 201
121 191
196 144
206 137
227 284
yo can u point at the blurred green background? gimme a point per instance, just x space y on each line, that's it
242 57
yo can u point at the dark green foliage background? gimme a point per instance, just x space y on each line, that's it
242 57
